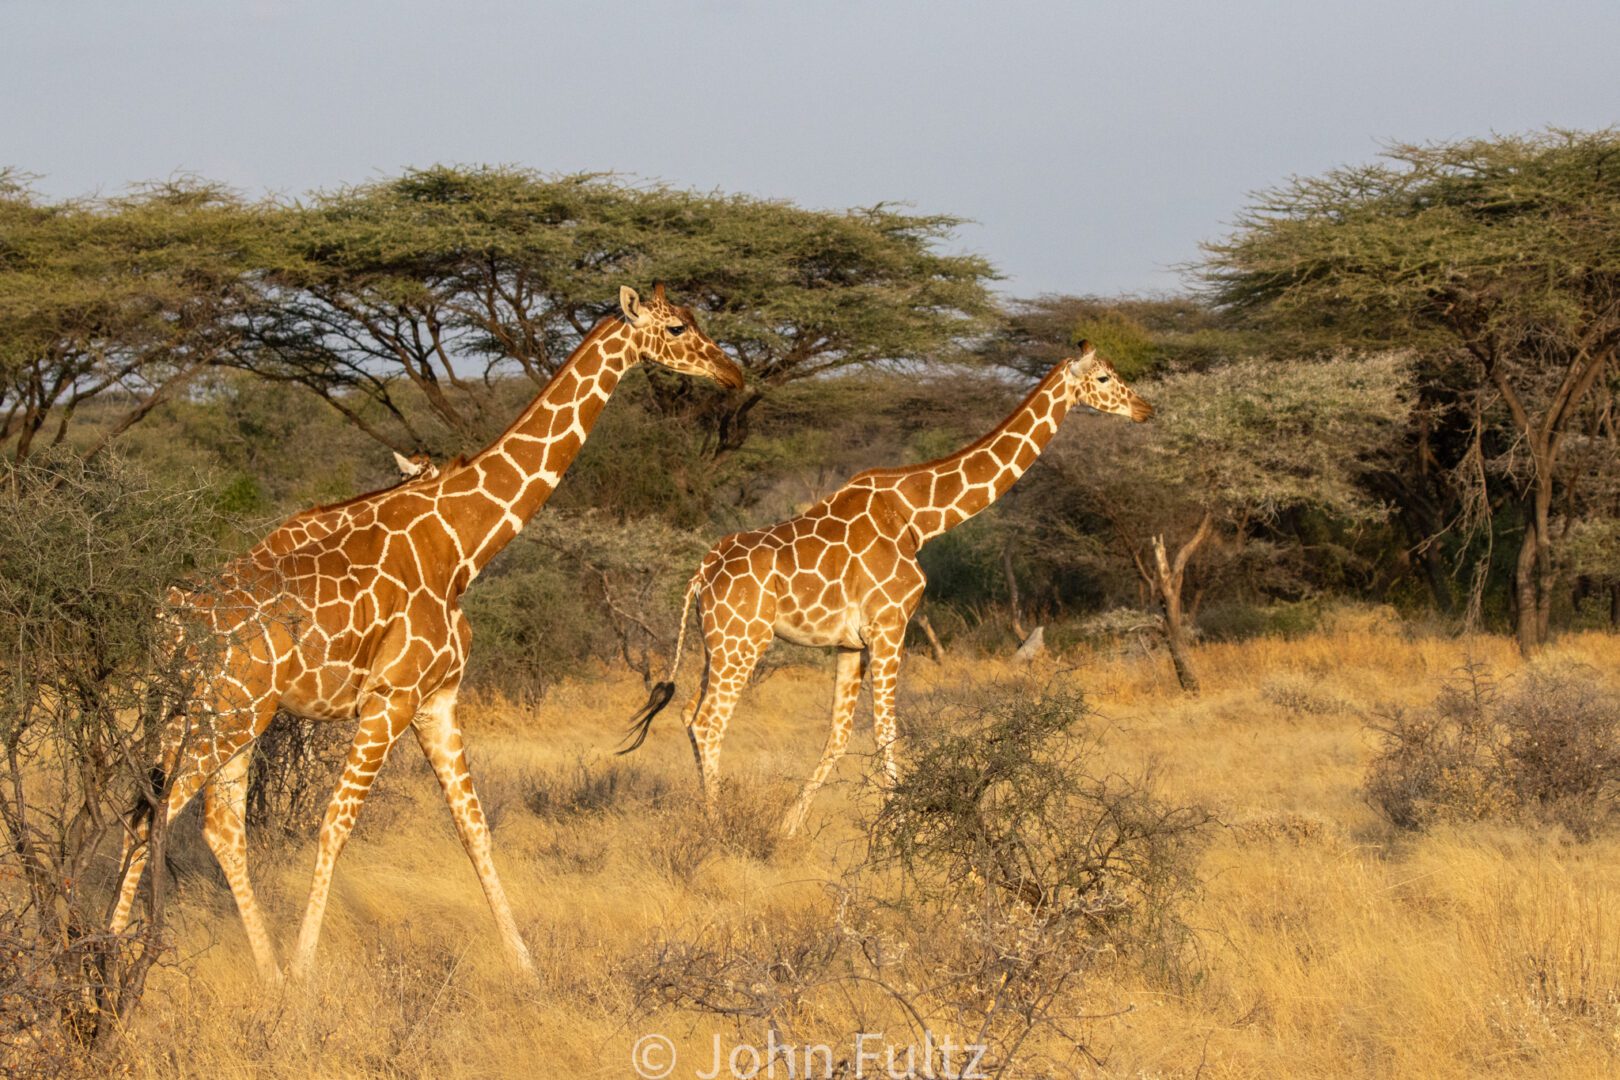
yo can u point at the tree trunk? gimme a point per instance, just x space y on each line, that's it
933 639
1175 635
1533 572
1033 646
1524 594
1533 576
1171 576
1012 593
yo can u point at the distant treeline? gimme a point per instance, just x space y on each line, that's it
1392 383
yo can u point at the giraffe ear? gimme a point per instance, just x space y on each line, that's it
407 468
630 304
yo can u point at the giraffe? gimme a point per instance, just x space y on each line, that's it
844 573
416 467
363 622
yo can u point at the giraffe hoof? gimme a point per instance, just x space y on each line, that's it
523 964
297 972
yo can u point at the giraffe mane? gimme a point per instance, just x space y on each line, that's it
322 508
977 444
599 330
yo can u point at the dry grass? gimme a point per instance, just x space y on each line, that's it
1328 945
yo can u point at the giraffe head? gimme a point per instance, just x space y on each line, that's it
1094 382
665 334
417 466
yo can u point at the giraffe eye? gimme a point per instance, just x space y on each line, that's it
1102 378
676 330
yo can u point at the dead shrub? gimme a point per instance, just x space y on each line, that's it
594 787
685 841
760 969
746 822
1299 695
1545 751
747 819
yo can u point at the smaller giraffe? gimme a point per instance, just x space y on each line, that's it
319 522
416 467
844 574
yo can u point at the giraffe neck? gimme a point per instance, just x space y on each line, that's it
489 499
946 492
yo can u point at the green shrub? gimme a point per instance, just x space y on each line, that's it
1238 621
1000 873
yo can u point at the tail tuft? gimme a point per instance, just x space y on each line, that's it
639 723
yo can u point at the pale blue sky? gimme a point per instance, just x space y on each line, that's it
1094 144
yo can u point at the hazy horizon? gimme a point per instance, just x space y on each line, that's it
1093 147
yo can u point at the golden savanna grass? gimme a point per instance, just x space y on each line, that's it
1326 944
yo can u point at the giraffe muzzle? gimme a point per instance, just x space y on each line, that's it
728 374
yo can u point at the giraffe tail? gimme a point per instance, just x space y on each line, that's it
664 691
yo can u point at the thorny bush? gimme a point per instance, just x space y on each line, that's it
1544 750
1001 872
88 553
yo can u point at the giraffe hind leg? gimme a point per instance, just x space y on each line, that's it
189 764
724 681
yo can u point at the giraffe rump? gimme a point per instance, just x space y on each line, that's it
642 721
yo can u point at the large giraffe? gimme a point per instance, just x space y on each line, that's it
355 614
844 573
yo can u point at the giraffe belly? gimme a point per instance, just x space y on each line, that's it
840 629
331 693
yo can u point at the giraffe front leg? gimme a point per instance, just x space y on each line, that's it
225 829
382 720
851 667
441 740
887 651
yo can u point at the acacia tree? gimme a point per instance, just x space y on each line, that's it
1228 450
443 279
1498 260
125 299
